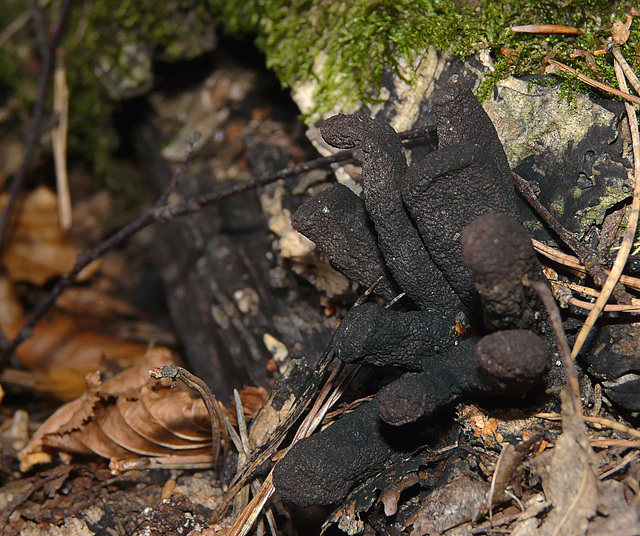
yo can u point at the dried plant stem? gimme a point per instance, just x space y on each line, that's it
249 515
47 51
59 141
219 432
241 441
632 223
324 401
594 83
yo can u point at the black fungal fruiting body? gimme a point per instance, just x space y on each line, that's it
443 231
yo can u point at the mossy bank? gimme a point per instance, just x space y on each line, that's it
111 46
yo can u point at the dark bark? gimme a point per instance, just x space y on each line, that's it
206 261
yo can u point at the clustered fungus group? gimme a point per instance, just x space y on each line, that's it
444 232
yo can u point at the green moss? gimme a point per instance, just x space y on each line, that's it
596 214
103 33
360 39
357 40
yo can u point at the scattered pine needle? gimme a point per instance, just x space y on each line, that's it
632 223
609 308
327 397
626 68
600 421
547 29
573 263
606 443
595 83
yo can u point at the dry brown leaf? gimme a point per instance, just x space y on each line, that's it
184 417
61 352
131 415
37 249
571 483
253 398
620 31
133 411
95 423
11 312
506 469
125 434
90 301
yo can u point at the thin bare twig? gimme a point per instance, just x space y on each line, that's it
632 221
18 24
563 345
587 257
83 260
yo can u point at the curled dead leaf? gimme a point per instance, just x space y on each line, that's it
131 415
94 423
620 31
62 351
